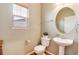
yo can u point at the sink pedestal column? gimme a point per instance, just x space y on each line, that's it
61 50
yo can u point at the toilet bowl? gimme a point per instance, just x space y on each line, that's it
39 50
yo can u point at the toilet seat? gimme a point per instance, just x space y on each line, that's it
39 49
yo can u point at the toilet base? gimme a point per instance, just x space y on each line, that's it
45 53
41 54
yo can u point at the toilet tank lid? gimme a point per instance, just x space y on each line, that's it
46 38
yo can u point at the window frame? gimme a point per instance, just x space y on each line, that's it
26 18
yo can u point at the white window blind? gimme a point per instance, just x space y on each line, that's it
20 17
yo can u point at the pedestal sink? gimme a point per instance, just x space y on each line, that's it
62 43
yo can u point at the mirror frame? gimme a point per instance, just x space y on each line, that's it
58 20
55 12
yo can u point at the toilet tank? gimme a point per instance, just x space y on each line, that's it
45 41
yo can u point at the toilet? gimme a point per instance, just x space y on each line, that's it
40 49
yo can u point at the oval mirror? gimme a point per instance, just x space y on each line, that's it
65 20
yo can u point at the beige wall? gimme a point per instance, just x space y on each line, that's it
14 40
48 25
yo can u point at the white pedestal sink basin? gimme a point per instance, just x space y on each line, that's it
62 43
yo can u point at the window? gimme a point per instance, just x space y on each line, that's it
20 16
